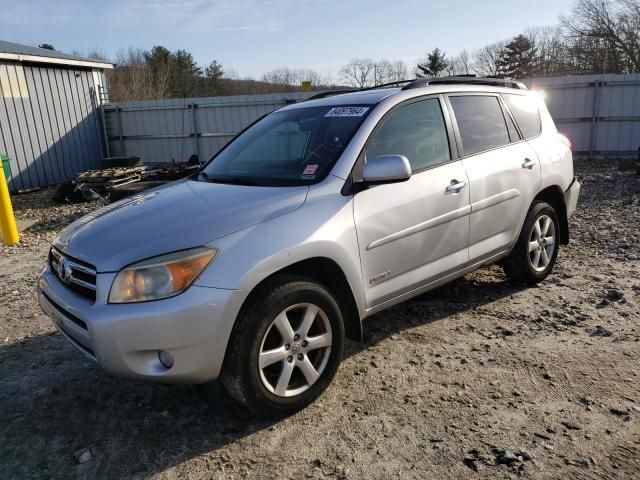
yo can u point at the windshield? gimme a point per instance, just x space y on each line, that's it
290 147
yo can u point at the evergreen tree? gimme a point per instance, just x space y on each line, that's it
185 74
160 62
46 46
214 71
435 64
518 59
214 74
158 58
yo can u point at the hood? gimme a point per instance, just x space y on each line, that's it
180 215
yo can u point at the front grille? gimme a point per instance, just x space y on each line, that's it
78 276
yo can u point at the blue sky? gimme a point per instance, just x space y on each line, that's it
254 36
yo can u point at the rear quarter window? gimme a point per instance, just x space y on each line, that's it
526 112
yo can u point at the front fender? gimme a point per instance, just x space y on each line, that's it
323 227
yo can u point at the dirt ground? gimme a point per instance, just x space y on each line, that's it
479 379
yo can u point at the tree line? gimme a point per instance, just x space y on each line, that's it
598 36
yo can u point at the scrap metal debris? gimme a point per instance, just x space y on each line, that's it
119 182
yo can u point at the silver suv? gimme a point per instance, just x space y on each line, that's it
315 217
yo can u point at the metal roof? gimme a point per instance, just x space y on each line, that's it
25 53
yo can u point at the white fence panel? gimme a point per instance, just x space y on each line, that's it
599 113
173 130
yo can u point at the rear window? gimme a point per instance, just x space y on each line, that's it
525 111
480 121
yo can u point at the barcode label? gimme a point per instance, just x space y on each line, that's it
347 112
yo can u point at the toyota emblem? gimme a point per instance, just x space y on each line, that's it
64 270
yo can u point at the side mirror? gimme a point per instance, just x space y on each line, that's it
386 169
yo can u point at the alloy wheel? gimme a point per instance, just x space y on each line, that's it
295 350
542 243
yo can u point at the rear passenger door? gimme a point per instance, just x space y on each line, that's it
413 232
503 171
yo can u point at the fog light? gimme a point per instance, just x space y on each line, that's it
166 359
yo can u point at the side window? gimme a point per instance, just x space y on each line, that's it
480 121
525 111
416 131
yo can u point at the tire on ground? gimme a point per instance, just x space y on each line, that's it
240 373
517 266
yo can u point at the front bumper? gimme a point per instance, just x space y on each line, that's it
125 339
571 197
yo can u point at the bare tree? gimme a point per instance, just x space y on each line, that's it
486 59
400 71
608 25
97 54
550 44
359 72
390 71
465 62
131 79
290 79
460 64
382 72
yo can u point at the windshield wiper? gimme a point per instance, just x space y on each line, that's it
233 180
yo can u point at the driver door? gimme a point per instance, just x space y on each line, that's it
412 233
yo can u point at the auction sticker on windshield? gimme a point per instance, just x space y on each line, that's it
347 112
310 170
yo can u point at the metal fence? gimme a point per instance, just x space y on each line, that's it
599 113
173 130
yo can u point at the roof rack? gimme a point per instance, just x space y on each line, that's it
466 79
330 93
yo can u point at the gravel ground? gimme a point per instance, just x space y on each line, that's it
479 379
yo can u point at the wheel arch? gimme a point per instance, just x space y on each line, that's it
327 272
554 196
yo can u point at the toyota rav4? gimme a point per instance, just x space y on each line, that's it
314 218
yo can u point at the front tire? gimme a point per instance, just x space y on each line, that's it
286 347
534 255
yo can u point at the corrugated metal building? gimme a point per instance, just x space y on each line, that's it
49 114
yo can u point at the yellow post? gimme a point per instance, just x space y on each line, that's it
7 220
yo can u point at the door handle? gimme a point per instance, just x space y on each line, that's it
528 163
455 186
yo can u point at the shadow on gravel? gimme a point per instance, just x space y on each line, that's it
53 402
459 296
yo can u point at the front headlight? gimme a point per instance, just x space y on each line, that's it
160 277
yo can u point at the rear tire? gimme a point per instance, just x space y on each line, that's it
286 347
534 255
